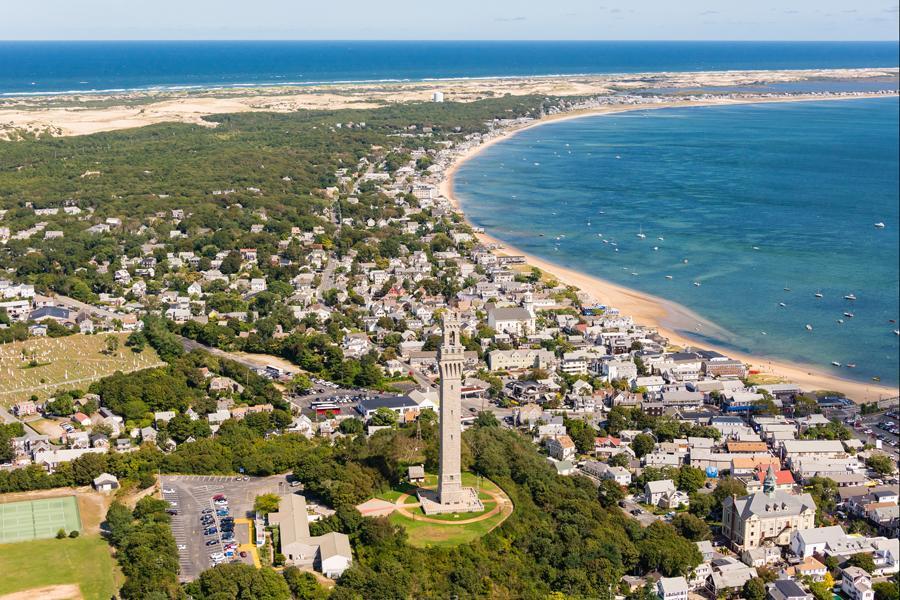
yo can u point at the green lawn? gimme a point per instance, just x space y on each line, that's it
85 561
422 533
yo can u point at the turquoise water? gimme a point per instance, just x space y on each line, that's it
803 183
54 67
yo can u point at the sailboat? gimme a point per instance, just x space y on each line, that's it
642 235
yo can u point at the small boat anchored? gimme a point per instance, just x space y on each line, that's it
641 234
879 225
697 283
849 315
835 363
819 295
808 327
850 297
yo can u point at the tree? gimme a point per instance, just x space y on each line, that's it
237 582
112 344
728 486
300 384
486 418
663 549
690 479
351 426
702 505
880 463
691 527
61 406
754 589
821 590
610 493
303 585
886 590
642 444
266 503
383 416
619 460
863 561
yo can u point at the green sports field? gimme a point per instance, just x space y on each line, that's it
38 519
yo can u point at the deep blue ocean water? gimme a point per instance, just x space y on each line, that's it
53 67
802 182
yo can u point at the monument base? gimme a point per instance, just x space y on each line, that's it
465 502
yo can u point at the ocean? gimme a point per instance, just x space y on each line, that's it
60 67
746 200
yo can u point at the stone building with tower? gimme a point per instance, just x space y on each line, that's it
768 517
451 496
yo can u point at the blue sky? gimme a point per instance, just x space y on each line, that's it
451 19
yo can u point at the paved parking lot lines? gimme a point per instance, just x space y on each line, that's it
193 494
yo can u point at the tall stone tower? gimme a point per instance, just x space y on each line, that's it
451 496
450 364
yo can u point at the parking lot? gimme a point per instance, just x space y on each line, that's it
212 512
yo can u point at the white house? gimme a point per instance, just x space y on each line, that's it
672 588
857 584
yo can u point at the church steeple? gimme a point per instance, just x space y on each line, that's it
770 482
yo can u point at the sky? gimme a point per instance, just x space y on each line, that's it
450 19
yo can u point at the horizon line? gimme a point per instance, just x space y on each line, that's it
463 40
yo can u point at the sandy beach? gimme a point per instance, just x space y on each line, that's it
651 311
86 113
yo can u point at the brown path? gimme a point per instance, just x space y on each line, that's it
500 504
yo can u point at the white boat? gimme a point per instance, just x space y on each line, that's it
897 332
618 157
642 235
850 297
655 247
661 238
808 327
851 365
879 225
835 363
819 295
787 289
782 304
633 273
697 283
840 321
756 247
849 315
684 261
668 277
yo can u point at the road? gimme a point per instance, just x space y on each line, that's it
327 281
251 361
77 305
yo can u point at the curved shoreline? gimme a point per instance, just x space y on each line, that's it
648 310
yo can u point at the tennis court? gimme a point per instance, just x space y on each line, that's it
38 519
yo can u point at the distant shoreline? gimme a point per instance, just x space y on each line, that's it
81 113
664 315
